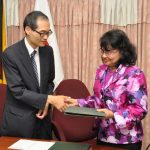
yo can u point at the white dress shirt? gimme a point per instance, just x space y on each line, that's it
37 59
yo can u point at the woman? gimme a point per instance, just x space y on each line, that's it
120 91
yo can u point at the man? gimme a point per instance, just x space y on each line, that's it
29 70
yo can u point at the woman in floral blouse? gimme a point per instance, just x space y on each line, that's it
120 91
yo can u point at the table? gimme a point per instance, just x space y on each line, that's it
5 142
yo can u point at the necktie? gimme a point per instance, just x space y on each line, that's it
34 63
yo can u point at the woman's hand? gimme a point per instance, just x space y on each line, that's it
108 113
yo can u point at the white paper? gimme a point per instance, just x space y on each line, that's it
31 145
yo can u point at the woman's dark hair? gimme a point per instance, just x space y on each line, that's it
31 19
117 39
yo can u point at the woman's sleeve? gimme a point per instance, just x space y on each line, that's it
94 100
136 107
87 102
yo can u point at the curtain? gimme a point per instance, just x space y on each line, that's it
119 12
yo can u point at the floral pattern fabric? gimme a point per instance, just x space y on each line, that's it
124 92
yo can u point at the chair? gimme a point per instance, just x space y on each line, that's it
2 100
73 128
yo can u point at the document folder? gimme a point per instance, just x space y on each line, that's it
69 146
83 111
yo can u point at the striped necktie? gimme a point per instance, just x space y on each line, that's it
34 64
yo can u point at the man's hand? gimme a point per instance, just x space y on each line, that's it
109 113
71 102
42 113
58 102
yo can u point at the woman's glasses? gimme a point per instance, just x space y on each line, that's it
108 52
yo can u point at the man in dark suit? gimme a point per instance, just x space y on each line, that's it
30 85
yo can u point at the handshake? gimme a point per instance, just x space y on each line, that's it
60 102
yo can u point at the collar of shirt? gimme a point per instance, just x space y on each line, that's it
29 47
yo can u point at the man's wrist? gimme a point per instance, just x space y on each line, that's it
50 99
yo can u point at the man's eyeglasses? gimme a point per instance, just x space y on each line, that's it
108 52
42 33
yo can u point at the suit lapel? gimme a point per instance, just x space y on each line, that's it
42 66
116 75
119 72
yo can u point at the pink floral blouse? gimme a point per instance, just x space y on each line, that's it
125 93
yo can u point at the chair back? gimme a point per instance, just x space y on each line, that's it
73 128
2 100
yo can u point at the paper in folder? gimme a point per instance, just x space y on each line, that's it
83 111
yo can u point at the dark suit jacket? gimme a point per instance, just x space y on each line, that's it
24 96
